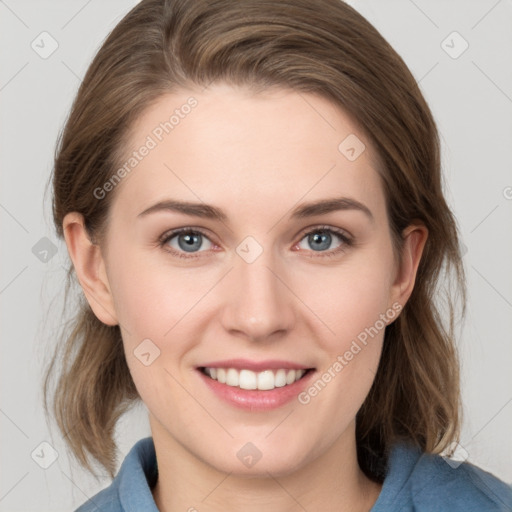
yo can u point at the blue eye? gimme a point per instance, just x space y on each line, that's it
189 243
187 240
322 240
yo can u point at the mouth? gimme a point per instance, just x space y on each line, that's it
265 380
255 385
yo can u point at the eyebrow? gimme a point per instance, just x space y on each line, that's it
324 206
203 210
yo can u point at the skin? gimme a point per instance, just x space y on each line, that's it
257 157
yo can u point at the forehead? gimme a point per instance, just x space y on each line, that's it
241 150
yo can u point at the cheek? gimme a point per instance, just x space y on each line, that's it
357 308
151 297
350 298
160 314
354 305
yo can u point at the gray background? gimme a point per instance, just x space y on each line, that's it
471 97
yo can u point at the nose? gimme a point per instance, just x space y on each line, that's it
258 304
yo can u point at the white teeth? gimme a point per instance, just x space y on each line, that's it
221 374
266 380
280 379
247 379
232 377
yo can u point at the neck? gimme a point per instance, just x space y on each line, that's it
331 481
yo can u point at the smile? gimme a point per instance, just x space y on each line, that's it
250 380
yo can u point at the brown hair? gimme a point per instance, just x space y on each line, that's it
323 47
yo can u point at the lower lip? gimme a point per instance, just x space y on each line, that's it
254 399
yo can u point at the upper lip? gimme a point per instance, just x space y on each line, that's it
256 366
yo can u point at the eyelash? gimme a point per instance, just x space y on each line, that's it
345 239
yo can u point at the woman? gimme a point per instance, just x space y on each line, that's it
251 198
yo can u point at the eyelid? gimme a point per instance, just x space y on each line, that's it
171 233
343 233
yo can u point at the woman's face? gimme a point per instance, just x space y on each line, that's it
284 262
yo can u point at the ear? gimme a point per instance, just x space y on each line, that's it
414 239
89 267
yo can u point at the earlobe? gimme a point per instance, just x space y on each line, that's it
89 267
414 239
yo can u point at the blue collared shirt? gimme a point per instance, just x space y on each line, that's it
414 482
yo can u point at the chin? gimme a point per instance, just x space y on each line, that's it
257 460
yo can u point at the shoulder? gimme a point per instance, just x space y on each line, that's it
417 481
131 488
105 501
459 486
